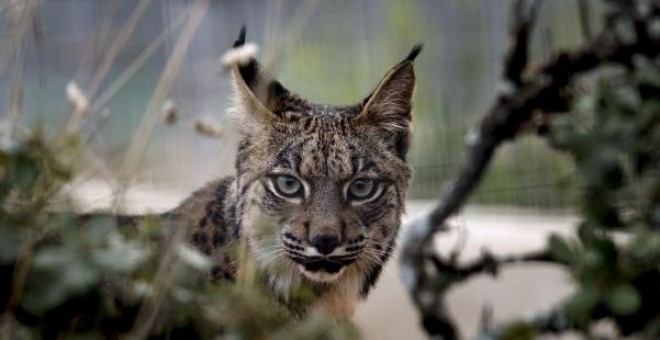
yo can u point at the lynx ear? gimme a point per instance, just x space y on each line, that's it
388 107
257 93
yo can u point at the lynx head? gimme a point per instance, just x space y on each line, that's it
330 179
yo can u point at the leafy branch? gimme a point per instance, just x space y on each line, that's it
526 95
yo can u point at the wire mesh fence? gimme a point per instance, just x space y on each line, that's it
330 52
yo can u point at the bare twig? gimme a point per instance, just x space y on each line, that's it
21 270
21 18
136 65
151 116
16 92
294 29
524 16
166 269
75 120
585 20
117 45
488 263
552 322
161 284
272 26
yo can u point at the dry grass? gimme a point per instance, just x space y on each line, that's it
88 102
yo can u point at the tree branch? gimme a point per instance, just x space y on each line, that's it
585 22
553 322
487 263
516 103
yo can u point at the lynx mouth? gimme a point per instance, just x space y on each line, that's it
322 269
323 265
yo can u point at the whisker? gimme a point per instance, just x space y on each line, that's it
264 250
370 258
374 258
272 255
377 252
379 261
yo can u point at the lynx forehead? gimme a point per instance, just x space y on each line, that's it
319 190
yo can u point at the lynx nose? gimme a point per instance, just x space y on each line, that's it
325 244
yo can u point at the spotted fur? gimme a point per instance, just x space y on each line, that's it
331 152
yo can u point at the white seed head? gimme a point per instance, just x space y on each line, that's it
208 126
76 96
170 113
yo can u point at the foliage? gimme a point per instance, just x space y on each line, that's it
613 135
599 104
67 275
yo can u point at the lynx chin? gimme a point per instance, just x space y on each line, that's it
319 190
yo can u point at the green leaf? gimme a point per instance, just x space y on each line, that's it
586 233
120 256
58 273
592 261
24 172
101 228
193 258
598 210
608 252
580 305
9 244
559 249
518 331
647 72
623 300
603 167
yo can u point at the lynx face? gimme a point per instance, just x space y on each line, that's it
336 192
322 188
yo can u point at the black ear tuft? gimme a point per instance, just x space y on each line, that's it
415 52
241 38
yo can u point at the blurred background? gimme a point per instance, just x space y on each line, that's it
333 52
330 52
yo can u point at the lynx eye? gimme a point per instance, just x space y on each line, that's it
362 189
287 186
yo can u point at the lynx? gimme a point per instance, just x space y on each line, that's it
319 190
